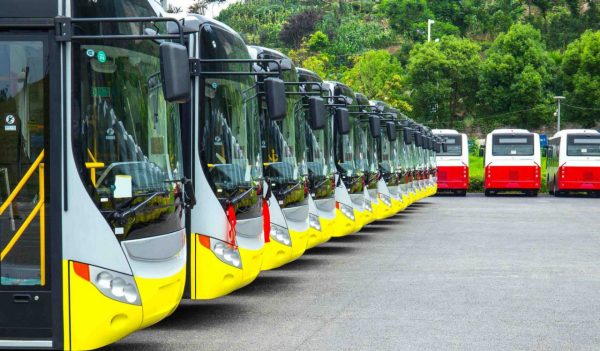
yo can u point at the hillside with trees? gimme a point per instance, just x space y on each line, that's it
490 63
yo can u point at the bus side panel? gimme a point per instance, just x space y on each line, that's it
512 177
578 178
453 177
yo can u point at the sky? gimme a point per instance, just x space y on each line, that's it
213 10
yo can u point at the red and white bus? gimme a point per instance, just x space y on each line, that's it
512 162
453 164
574 162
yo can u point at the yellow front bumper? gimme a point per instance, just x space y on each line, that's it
276 255
210 277
299 242
370 218
316 237
397 205
160 296
362 219
92 320
382 211
343 225
251 264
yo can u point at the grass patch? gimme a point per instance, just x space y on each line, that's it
476 174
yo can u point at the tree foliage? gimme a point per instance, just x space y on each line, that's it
444 79
515 79
379 76
581 77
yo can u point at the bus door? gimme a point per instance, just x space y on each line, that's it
25 295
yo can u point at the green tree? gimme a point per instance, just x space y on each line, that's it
581 77
318 41
515 80
378 75
444 80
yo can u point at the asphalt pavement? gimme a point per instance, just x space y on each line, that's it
449 273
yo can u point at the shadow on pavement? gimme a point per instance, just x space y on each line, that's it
303 263
331 249
267 284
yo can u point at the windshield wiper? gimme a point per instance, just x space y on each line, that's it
123 215
287 191
320 184
241 196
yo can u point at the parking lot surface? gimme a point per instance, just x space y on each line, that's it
470 273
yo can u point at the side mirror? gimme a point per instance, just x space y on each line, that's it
316 113
416 138
438 147
342 121
375 126
445 147
391 131
275 96
284 65
175 72
481 151
407 136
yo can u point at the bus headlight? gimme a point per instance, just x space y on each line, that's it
347 211
226 253
368 205
280 234
114 285
314 222
386 200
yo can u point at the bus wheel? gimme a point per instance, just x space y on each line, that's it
594 194
533 193
488 193
461 193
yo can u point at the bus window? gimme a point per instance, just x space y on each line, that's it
583 145
512 145
454 143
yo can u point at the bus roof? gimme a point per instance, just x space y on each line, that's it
565 132
444 131
510 131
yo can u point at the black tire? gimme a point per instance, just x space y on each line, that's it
534 193
488 193
461 193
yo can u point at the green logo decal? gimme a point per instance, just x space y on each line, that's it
101 56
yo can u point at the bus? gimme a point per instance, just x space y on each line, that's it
370 127
283 150
389 187
573 165
222 155
92 222
453 164
512 162
321 167
350 153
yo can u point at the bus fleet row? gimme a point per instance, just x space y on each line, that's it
146 159
513 162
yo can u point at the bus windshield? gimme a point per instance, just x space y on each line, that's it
583 145
454 143
512 145
126 136
230 114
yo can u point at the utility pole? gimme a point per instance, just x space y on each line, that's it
558 99
429 23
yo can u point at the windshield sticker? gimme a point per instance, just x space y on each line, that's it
10 123
103 92
90 53
110 134
123 187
